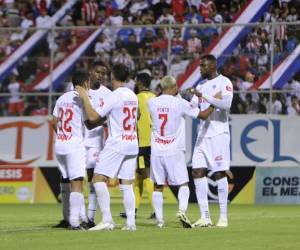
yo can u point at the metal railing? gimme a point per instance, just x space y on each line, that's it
168 30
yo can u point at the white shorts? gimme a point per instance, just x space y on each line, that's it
212 153
113 164
72 165
91 156
171 168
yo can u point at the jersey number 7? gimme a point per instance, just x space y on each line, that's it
163 117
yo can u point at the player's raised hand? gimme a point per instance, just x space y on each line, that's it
195 92
81 91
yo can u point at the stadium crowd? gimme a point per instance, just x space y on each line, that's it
145 49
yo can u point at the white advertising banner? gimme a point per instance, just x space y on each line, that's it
27 141
262 140
256 140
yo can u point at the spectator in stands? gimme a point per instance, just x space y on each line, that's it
159 7
238 106
194 44
251 106
27 22
124 58
178 66
247 85
177 43
103 44
166 17
276 105
155 82
207 9
161 42
133 47
124 33
179 8
15 102
137 6
293 108
147 41
13 15
89 11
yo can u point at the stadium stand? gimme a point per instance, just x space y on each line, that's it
146 49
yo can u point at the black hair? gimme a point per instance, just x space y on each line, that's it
209 57
99 63
120 72
144 79
79 78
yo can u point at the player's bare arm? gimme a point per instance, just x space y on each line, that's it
205 113
92 116
54 124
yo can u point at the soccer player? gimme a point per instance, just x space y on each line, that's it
142 175
94 138
168 146
68 122
118 158
212 145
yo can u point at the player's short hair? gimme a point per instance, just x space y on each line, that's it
168 82
209 57
120 72
79 78
144 79
99 63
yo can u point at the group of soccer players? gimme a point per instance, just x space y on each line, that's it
146 138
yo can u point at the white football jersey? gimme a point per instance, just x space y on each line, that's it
121 108
95 137
70 123
168 126
217 122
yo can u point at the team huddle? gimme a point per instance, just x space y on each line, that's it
80 117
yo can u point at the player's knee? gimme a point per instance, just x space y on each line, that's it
219 175
158 188
64 180
99 178
78 179
199 172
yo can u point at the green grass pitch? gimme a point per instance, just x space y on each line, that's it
251 227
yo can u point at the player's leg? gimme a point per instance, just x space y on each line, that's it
126 178
219 167
146 153
178 176
107 168
92 155
199 173
76 200
157 201
158 176
65 202
65 192
76 170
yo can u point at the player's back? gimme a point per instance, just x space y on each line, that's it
121 108
70 123
144 121
168 128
